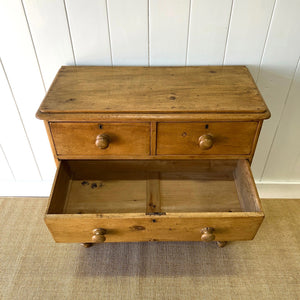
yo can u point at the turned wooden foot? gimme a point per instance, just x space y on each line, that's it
86 245
221 244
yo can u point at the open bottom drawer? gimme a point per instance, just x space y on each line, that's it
159 200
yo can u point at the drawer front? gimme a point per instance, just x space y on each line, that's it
65 229
95 139
223 138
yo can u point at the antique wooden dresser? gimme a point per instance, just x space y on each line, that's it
153 154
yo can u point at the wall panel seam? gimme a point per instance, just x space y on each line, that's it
11 171
228 31
280 117
148 16
266 39
188 33
21 120
69 30
109 34
33 45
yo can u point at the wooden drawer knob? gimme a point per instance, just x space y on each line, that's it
206 141
98 235
207 234
102 141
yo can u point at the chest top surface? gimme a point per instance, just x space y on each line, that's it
152 90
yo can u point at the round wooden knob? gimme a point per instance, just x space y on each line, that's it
102 141
206 141
207 234
98 235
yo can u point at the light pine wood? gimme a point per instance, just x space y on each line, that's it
150 154
153 193
82 138
49 134
106 196
141 227
153 138
126 201
159 157
153 90
255 140
202 168
151 117
188 138
146 186
60 189
246 187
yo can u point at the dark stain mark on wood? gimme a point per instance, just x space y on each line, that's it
212 71
206 126
152 205
137 227
71 100
172 98
94 185
84 183
184 134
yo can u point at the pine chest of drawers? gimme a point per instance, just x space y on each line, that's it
153 154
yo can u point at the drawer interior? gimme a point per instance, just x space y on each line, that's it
153 187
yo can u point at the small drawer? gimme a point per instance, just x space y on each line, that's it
129 201
219 138
95 139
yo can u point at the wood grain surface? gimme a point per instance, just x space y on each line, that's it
122 197
80 138
183 138
227 89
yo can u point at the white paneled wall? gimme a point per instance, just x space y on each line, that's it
38 36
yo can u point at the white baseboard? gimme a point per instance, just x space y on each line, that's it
288 190
43 189
25 188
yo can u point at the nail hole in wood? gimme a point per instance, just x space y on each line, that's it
94 185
